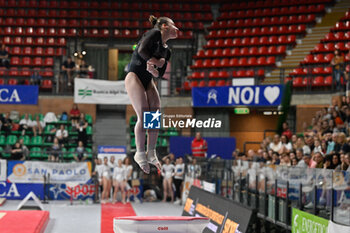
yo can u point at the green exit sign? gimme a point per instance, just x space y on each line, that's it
241 110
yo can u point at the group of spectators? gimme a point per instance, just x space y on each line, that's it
59 137
322 144
70 70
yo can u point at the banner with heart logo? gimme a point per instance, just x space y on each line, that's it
264 95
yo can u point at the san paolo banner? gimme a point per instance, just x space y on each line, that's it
19 94
225 215
60 173
267 95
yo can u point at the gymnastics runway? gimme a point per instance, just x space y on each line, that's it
87 218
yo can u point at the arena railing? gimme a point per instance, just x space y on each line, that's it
273 190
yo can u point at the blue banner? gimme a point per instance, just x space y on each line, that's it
222 147
270 95
21 94
17 191
112 149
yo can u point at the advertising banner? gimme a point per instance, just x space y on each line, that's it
16 191
225 215
90 91
65 192
3 172
19 94
119 152
269 95
60 173
337 228
303 222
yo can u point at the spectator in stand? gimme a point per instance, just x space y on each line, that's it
17 152
168 171
300 144
317 147
194 170
347 161
80 153
337 64
35 78
199 146
332 143
6 123
38 125
62 135
338 121
309 161
4 56
286 145
276 144
119 180
178 178
24 148
342 144
74 114
286 130
67 71
55 151
275 158
83 70
81 126
318 158
25 124
285 161
335 161
347 79
294 162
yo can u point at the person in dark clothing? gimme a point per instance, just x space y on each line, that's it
67 70
81 128
83 70
4 57
17 152
6 124
80 152
148 60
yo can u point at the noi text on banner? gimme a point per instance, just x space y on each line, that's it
89 91
270 95
60 173
19 94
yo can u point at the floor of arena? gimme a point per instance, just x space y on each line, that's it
87 218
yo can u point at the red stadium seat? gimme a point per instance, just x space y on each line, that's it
328 81
48 72
14 61
46 85
12 81
48 61
38 51
213 74
221 83
299 82
212 83
202 84
318 81
26 61
38 61
16 51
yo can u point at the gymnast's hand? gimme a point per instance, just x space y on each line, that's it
157 62
152 70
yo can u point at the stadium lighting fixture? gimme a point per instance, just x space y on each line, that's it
267 113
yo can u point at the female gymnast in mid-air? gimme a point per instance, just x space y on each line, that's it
148 60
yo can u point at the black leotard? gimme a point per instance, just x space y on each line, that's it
149 46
